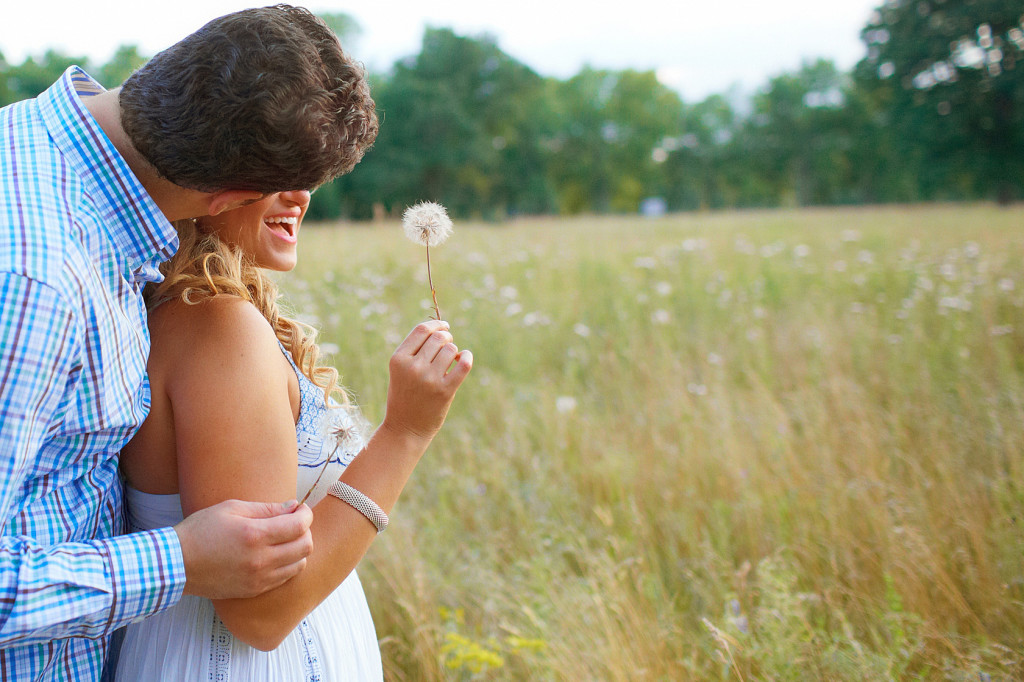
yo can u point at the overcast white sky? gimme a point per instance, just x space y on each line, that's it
698 47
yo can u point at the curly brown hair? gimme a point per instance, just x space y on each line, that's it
205 267
263 99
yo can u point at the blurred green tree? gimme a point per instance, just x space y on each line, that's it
6 96
32 76
126 59
461 124
344 26
614 134
947 80
798 137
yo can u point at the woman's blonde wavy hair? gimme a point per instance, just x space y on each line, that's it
204 267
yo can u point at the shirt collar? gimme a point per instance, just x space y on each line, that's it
132 219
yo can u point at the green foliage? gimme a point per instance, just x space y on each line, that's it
344 26
935 111
125 61
33 75
947 82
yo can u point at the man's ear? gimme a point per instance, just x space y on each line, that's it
227 199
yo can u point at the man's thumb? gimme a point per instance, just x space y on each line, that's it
267 510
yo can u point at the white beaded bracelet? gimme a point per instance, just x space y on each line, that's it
361 503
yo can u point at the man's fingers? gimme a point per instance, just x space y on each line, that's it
287 554
286 528
262 510
280 576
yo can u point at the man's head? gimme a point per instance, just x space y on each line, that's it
262 100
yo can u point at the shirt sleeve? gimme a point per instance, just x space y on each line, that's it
81 589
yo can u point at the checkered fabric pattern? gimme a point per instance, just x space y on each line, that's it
79 238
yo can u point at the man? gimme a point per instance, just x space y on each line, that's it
250 104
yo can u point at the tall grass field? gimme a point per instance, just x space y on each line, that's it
726 446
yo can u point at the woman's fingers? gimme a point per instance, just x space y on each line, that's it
418 336
463 363
445 355
433 344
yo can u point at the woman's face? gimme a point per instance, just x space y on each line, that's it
266 230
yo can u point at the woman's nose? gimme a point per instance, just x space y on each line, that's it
299 197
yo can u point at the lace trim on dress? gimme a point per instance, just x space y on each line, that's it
314 673
220 651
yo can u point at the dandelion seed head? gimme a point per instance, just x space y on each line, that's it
565 404
427 223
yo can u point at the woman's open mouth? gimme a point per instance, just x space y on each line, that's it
283 227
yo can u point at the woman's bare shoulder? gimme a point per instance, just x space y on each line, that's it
208 333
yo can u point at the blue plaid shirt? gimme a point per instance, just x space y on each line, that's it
79 237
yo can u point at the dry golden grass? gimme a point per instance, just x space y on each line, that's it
764 445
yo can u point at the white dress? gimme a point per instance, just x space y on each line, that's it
336 642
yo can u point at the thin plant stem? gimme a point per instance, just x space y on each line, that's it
430 281
321 475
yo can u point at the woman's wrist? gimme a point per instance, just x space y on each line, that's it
398 441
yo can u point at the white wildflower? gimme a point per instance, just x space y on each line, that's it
427 223
565 404
534 319
581 329
661 316
343 430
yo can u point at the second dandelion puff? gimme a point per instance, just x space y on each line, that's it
427 223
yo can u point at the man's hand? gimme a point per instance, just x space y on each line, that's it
242 549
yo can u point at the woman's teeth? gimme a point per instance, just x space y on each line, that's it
288 221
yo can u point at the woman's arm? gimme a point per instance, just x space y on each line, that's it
235 431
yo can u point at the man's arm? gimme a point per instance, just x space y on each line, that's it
87 589
68 589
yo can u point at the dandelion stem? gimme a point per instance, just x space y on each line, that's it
321 475
430 281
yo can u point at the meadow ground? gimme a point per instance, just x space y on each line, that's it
761 446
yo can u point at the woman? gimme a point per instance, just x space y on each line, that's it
239 412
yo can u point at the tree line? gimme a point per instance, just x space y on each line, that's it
933 112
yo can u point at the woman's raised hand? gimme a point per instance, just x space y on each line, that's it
424 379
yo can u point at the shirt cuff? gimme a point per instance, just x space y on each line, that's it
147 573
